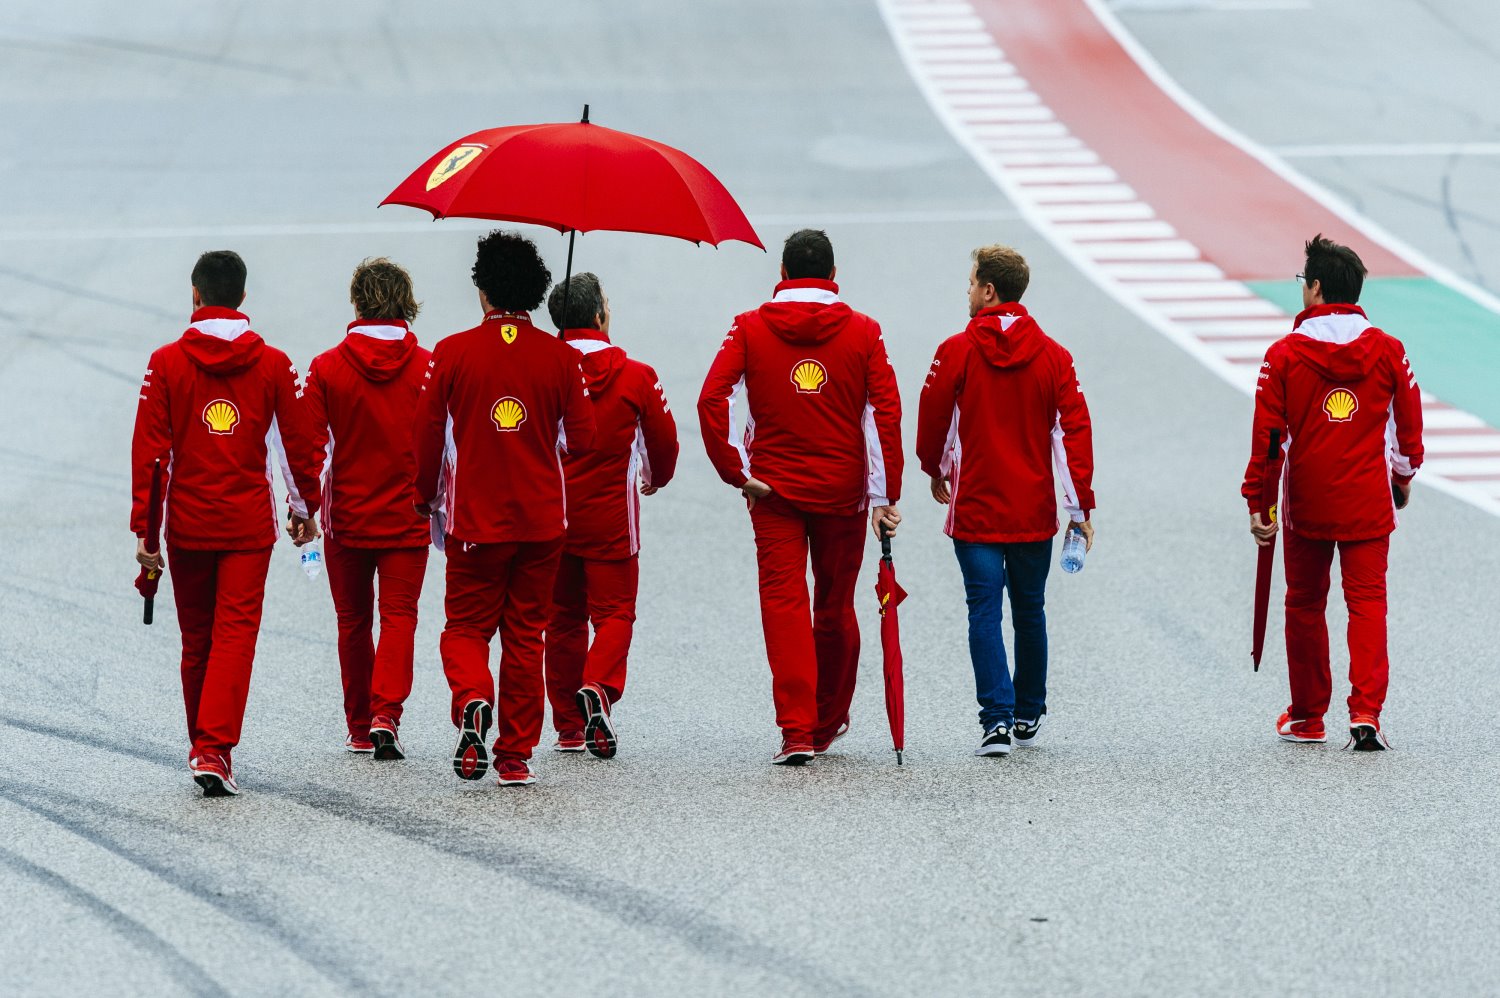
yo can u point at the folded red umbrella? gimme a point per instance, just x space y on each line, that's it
1270 492
150 578
576 177
890 593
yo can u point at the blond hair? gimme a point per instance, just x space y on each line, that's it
381 289
1004 268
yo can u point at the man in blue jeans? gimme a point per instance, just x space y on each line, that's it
1000 408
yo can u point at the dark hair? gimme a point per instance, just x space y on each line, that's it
585 302
382 290
510 272
219 276
808 253
1004 268
1339 270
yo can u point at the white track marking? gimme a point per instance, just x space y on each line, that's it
1389 149
1067 192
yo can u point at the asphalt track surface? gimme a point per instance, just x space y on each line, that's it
1159 839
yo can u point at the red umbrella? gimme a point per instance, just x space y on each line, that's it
150 578
1270 490
890 593
576 177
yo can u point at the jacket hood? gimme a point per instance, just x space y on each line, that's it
220 341
806 312
380 349
1336 341
602 361
1005 336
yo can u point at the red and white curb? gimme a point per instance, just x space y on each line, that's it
1068 193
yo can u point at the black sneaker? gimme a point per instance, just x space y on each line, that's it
1024 732
599 732
471 760
996 741
1365 736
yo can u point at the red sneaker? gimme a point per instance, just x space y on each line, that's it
599 733
568 741
385 740
820 747
793 754
1365 736
1308 730
359 744
514 773
214 775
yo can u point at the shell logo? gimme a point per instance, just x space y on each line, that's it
809 376
453 161
508 414
221 417
1341 405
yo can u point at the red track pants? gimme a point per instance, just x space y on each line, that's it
589 591
504 587
377 679
219 596
1362 565
814 662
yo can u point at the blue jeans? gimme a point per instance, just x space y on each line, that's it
990 569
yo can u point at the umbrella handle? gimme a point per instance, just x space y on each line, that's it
150 608
885 542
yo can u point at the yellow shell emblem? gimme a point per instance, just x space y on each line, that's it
809 376
508 414
1341 405
453 161
220 416
508 333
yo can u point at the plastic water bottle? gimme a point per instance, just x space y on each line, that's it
1073 550
312 558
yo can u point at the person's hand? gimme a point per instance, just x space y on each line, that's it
941 492
1400 493
424 510
154 562
1086 528
887 517
754 489
648 490
1264 532
302 530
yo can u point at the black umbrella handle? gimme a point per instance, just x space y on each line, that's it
150 610
885 542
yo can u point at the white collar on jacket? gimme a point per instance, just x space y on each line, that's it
589 346
381 332
1338 327
820 295
223 329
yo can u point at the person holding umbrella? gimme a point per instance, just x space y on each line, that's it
635 448
1000 409
1342 395
500 406
214 406
822 446
361 395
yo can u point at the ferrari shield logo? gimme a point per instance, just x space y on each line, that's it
508 333
452 162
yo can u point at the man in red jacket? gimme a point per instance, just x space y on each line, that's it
822 445
1000 409
635 444
1342 397
221 410
502 403
361 395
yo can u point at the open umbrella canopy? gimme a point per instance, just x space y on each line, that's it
576 177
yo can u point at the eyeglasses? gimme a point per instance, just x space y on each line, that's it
1302 278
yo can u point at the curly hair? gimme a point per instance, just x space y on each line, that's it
510 272
381 289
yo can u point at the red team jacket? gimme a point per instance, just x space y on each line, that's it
635 438
224 412
825 416
1347 404
1000 409
501 404
361 396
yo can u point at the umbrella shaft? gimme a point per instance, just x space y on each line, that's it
568 273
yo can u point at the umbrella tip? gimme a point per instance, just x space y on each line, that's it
898 757
585 119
